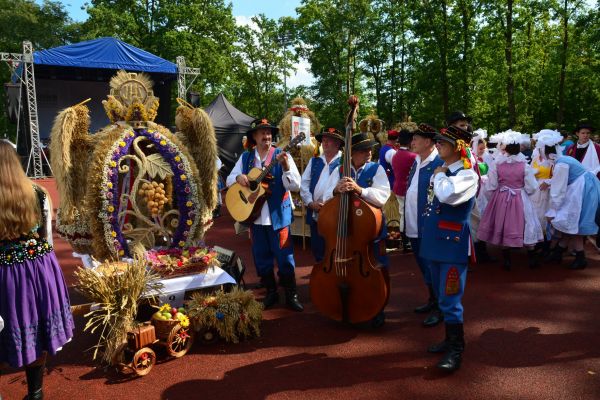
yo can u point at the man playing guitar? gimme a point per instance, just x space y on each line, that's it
270 232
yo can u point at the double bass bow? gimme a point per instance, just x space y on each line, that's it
349 285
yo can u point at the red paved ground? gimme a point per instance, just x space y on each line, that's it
530 335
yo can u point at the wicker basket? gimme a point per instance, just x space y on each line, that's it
164 327
393 228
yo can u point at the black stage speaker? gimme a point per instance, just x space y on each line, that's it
231 264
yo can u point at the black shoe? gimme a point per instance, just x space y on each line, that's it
534 262
291 296
481 253
406 247
430 305
434 318
452 359
580 261
440 347
507 263
272 296
35 376
556 255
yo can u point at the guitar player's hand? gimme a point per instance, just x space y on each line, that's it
242 179
282 158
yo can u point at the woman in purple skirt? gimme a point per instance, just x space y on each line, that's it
34 302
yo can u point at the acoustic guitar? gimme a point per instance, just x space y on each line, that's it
245 202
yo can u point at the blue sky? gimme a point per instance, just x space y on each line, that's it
271 8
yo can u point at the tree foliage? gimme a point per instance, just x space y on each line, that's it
525 64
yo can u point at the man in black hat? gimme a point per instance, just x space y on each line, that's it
585 150
462 121
370 182
314 183
446 237
270 233
419 178
459 119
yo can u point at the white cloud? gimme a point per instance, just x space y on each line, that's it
302 76
242 20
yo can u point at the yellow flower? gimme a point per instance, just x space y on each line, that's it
177 158
109 185
113 164
131 134
163 142
181 243
113 234
184 321
189 203
122 144
183 177
189 222
110 209
121 252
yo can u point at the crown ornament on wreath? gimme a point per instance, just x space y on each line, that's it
131 99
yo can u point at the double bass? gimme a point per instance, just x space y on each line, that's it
349 285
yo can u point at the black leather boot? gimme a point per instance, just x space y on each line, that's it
35 376
434 318
291 296
534 262
507 263
556 254
431 302
481 253
272 296
580 261
452 359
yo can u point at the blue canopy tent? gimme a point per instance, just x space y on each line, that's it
66 75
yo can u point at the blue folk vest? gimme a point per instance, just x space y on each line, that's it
422 188
279 202
446 232
317 164
386 165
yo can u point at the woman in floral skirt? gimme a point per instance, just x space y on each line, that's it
34 302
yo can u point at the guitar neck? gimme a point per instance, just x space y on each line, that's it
274 162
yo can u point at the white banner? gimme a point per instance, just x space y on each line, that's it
300 124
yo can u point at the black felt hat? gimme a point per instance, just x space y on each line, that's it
258 124
425 130
452 134
362 141
584 125
457 116
330 132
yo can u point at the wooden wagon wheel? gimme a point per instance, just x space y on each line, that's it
180 341
119 361
143 361
208 335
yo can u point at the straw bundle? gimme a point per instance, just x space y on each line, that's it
117 296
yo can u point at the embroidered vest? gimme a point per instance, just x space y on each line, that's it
422 188
317 165
446 232
29 246
279 202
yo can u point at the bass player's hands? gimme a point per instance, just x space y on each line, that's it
348 185
242 179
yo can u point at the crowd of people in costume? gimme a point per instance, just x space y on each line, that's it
459 191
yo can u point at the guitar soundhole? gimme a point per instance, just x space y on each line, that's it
253 185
